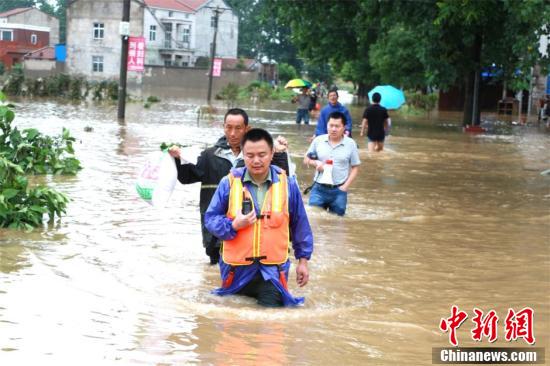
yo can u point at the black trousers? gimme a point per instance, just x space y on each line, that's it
264 291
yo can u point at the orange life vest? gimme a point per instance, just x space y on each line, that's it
267 241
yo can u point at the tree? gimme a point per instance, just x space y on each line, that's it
417 44
262 35
13 4
287 72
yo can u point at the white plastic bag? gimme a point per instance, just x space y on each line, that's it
326 174
157 179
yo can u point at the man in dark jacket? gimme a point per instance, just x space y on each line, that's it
213 164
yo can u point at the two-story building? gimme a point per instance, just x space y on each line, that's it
93 36
24 30
176 32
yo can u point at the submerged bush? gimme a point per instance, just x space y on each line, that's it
22 207
29 151
425 102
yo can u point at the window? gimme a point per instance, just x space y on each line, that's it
167 35
97 63
99 30
186 34
153 33
170 14
34 38
213 21
6 35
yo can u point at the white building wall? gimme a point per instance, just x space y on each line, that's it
81 45
174 48
228 31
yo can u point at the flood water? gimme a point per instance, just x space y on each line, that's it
440 218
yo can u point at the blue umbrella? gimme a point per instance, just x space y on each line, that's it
392 98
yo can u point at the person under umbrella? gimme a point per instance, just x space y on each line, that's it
375 120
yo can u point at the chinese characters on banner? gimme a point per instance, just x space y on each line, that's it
217 67
136 53
516 325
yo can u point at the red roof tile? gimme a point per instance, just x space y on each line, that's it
13 12
169 4
195 4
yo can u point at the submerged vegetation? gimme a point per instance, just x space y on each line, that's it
256 91
59 85
30 152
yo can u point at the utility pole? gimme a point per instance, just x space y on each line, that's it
124 32
217 12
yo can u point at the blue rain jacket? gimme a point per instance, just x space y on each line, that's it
322 121
300 232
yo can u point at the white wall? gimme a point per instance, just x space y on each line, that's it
228 33
153 56
81 45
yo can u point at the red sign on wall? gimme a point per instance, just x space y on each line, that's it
217 67
136 53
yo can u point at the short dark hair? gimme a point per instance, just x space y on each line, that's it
333 90
257 134
376 98
338 115
237 112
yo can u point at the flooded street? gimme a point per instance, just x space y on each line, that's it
440 218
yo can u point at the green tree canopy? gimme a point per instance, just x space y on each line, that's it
262 35
415 44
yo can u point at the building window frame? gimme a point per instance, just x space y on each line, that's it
97 63
213 21
34 39
99 30
153 33
186 34
3 33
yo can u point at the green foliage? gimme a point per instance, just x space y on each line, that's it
166 145
322 71
263 35
416 44
153 99
256 90
23 207
426 102
16 78
240 64
287 72
12 4
202 61
34 152
395 57
59 85
106 89
229 93
2 68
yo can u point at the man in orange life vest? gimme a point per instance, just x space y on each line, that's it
255 245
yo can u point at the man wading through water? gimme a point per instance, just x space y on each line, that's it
214 163
256 211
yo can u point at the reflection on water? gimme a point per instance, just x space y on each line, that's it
439 218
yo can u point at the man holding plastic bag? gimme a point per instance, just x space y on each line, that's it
214 163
